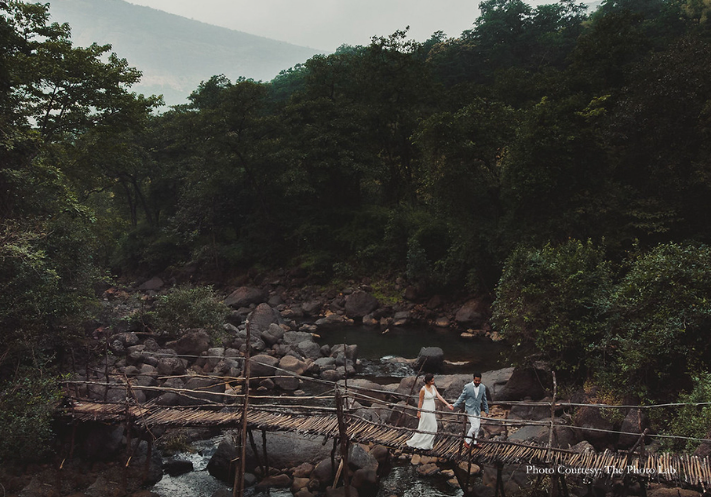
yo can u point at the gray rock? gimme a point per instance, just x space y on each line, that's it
244 296
296 337
220 463
204 390
331 375
360 304
635 422
471 313
360 458
526 383
263 365
350 351
193 343
154 284
177 467
170 366
273 334
263 316
287 450
312 308
430 359
310 350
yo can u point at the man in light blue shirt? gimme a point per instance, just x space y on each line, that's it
473 397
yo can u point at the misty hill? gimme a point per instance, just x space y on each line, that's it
174 53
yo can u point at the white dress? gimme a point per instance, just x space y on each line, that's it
428 423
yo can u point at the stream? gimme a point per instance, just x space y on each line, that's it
377 352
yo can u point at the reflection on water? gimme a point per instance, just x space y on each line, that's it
374 347
404 481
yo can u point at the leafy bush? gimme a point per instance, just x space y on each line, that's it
692 420
186 308
26 407
661 321
552 301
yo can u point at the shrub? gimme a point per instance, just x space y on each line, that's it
551 301
26 407
692 420
661 322
186 308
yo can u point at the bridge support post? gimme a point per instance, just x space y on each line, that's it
238 489
499 481
345 442
264 449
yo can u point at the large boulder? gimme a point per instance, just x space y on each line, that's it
350 351
323 472
171 398
202 391
530 382
310 350
262 365
273 334
193 343
296 337
262 317
287 450
292 364
220 464
496 380
100 442
244 296
635 422
704 450
360 303
591 417
471 314
365 391
409 389
170 366
154 284
366 481
312 307
430 359
360 458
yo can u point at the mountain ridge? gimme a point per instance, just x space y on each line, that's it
175 53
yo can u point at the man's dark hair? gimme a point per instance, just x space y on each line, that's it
476 375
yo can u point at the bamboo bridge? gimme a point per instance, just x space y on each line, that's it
344 426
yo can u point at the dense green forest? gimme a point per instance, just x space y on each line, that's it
556 159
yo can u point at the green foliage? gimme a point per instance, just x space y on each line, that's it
27 403
185 308
661 320
552 301
692 421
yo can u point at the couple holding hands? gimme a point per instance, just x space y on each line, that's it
473 397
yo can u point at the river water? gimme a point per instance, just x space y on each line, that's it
377 352
402 480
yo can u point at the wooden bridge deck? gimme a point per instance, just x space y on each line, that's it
676 469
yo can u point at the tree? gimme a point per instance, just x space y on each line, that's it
552 301
660 322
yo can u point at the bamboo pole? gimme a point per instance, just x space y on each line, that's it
243 448
550 432
343 435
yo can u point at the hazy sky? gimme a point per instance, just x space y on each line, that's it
327 24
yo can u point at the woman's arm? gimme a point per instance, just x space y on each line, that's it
419 404
449 406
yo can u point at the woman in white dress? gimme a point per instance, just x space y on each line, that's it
427 416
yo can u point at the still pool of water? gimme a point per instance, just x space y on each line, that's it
373 345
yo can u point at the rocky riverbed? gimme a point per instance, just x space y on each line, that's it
283 338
